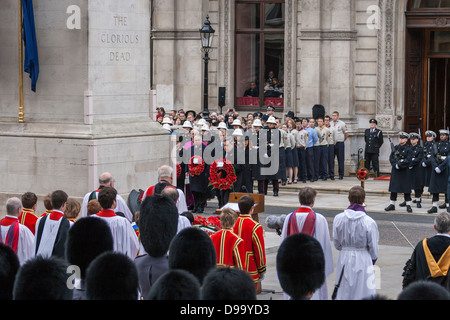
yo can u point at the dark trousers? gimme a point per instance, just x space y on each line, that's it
302 164
436 198
339 151
310 163
316 162
331 161
372 159
261 186
394 196
274 185
199 201
323 162
223 197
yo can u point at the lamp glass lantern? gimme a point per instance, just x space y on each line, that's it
207 35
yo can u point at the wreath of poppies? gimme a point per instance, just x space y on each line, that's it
210 225
178 170
363 174
196 168
222 175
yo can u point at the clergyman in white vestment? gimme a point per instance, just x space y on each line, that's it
320 232
24 247
356 236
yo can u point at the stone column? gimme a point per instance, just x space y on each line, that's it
91 110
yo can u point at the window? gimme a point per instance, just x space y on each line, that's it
259 53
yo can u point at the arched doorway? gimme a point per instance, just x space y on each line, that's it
427 97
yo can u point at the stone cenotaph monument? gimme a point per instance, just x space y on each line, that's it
91 109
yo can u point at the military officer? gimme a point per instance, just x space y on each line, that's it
439 173
401 179
374 141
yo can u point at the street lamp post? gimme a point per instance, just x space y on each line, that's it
206 35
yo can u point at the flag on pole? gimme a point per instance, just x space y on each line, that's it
31 61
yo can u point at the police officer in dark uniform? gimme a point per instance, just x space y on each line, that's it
439 173
401 179
374 141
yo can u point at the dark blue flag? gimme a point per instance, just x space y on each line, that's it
31 62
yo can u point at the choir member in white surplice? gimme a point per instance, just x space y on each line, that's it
124 236
16 235
356 236
305 220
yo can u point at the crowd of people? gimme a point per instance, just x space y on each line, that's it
158 256
417 164
302 149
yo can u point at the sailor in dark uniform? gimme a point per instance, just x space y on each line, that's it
401 179
428 153
416 170
374 141
439 173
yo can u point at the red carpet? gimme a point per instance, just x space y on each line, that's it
384 178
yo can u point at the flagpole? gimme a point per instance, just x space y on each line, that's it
21 110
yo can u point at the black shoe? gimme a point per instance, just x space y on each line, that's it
391 207
403 204
414 201
194 210
443 206
304 181
432 210
275 194
341 178
332 178
448 209
419 204
283 183
409 209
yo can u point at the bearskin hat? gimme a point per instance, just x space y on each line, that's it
300 265
87 238
192 250
158 223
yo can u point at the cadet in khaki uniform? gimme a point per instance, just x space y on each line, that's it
330 148
340 135
324 136
301 140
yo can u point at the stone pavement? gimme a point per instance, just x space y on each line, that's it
333 195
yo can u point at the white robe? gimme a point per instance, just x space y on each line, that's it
25 245
124 236
321 234
121 206
181 202
356 236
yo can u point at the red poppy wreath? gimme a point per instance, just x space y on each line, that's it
222 175
196 166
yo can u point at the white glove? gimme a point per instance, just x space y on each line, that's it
397 167
261 277
424 164
438 171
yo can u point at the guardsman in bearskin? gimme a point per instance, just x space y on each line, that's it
401 179
374 141
428 153
416 170
439 173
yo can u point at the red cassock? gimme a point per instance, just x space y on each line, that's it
255 255
28 218
229 249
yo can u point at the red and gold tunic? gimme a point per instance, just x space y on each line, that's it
28 218
229 249
255 255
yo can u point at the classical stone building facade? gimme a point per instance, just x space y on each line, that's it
105 65
353 56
